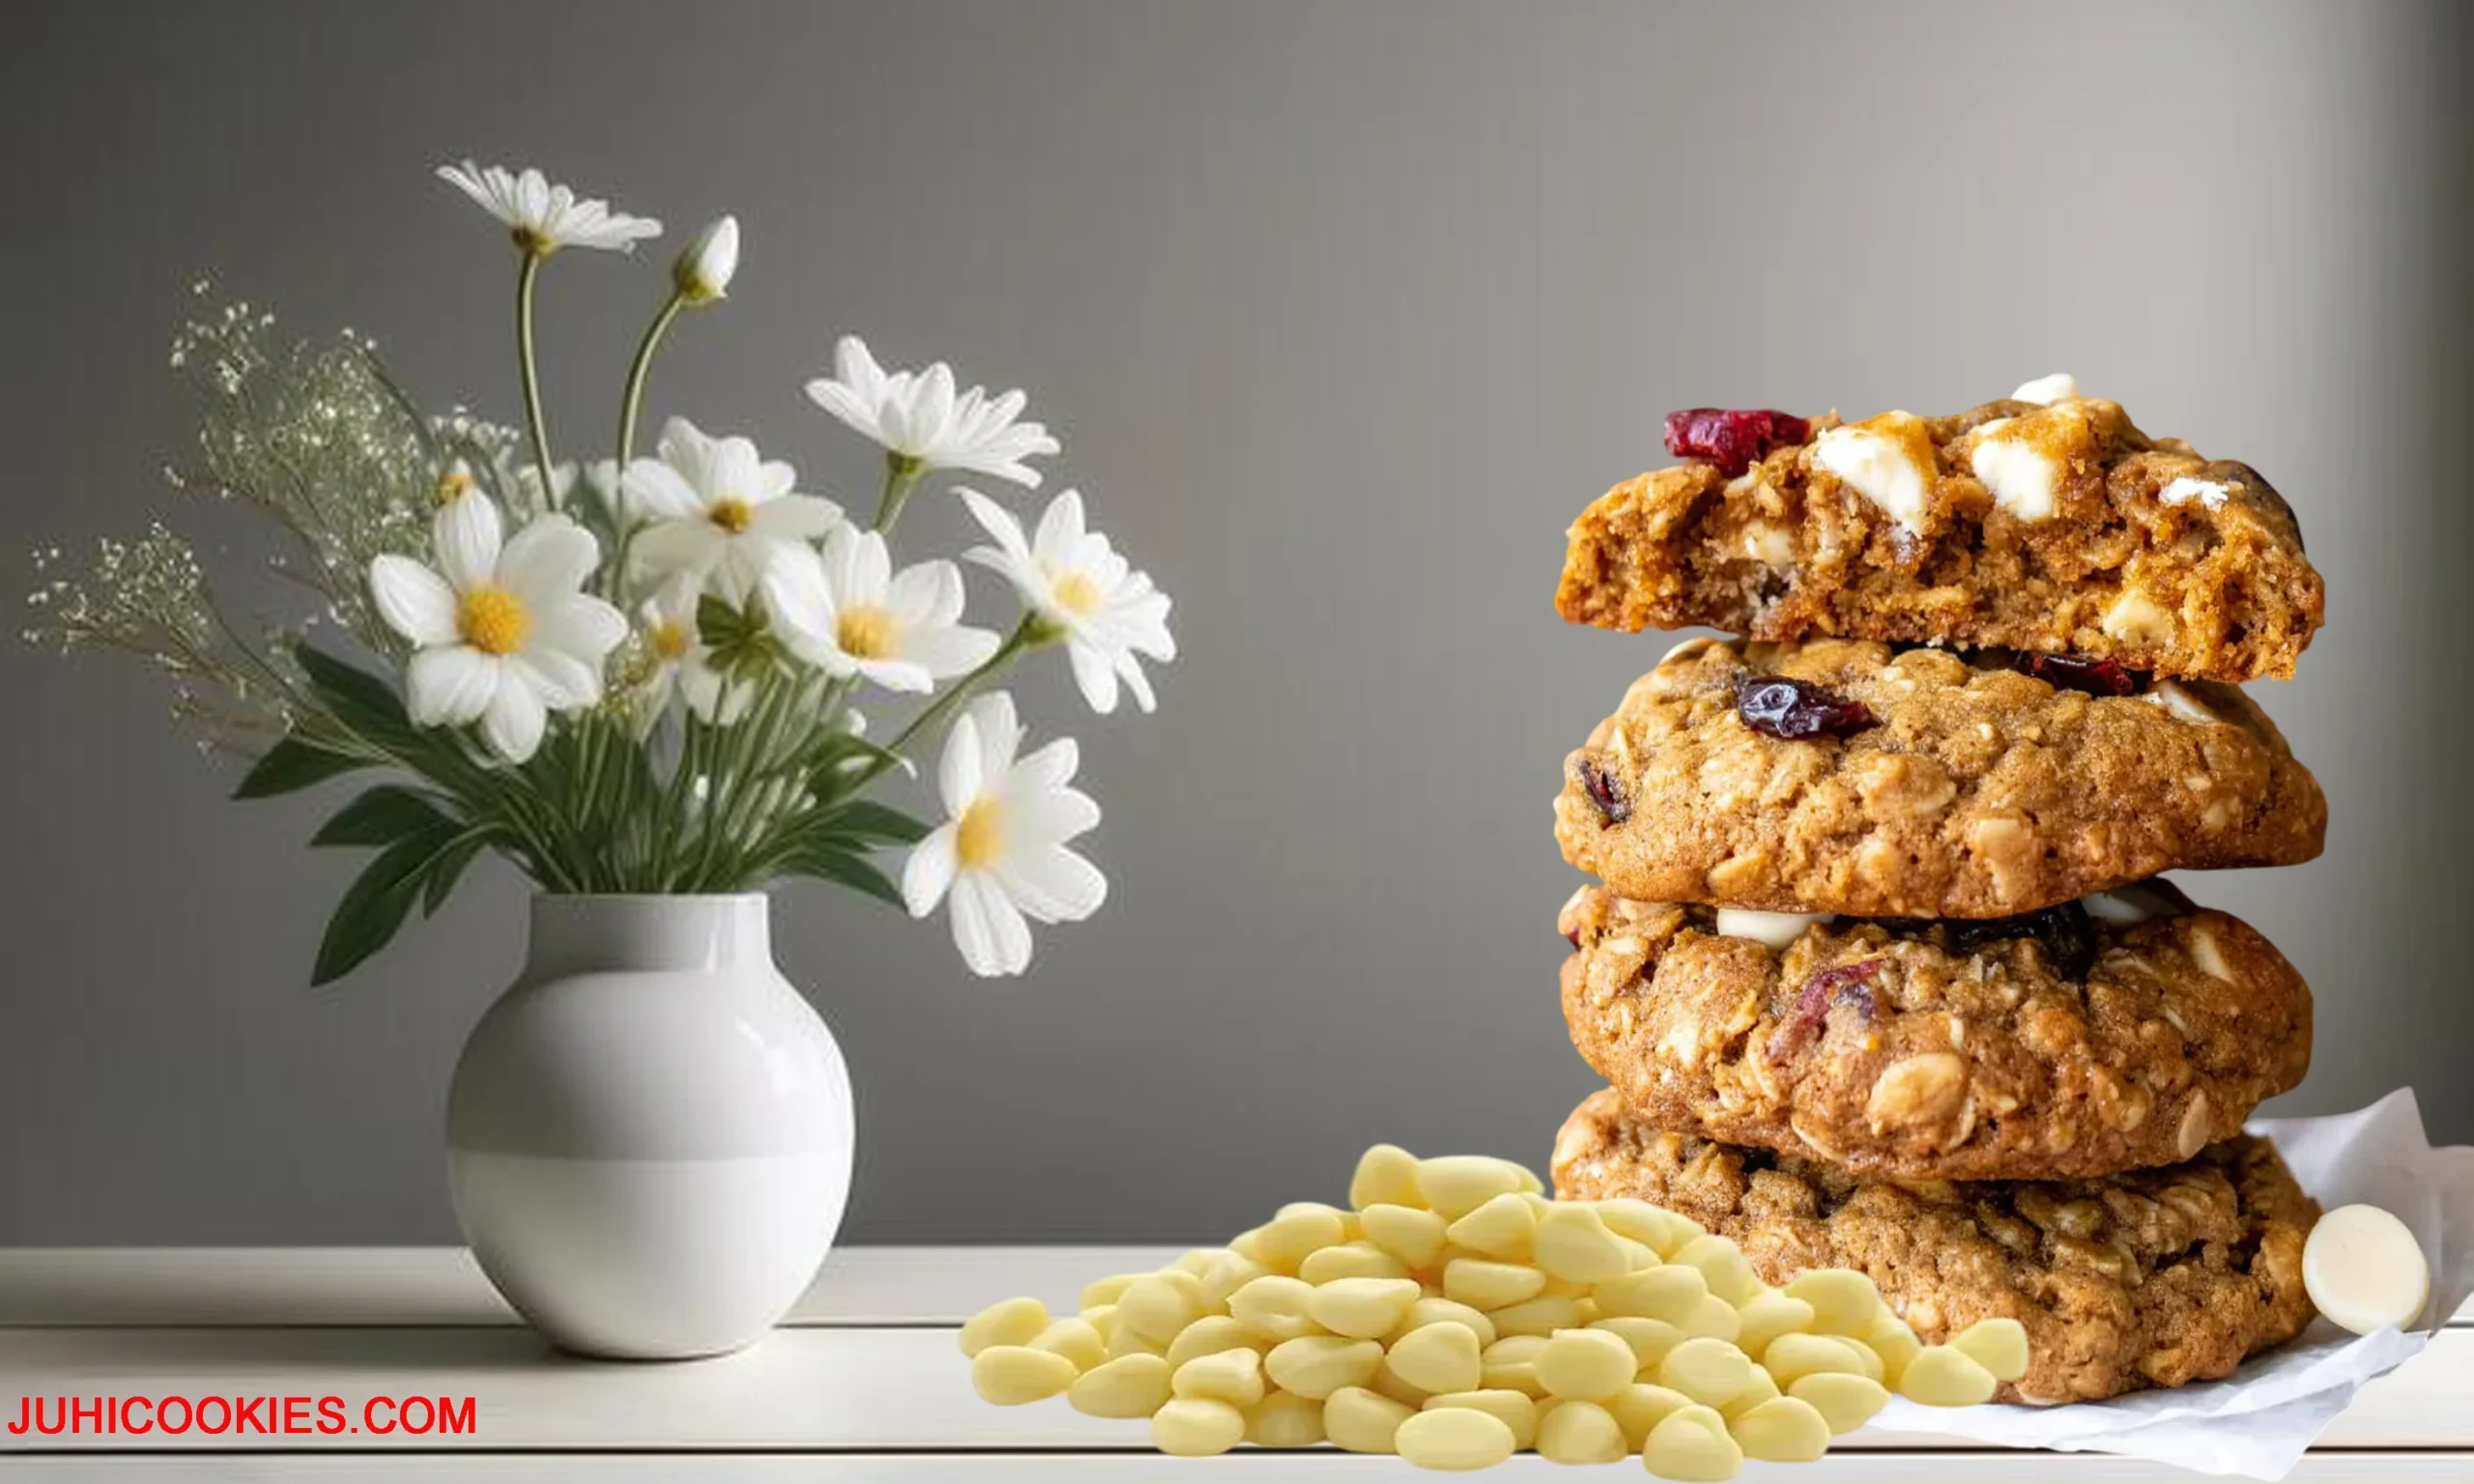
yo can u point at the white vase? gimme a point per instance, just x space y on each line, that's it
649 1134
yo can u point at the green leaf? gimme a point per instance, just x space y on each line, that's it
851 870
359 698
292 765
446 867
868 819
373 908
382 815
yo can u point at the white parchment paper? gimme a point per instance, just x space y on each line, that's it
2259 1420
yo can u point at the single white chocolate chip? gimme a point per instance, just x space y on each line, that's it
1455 1438
1709 1371
1768 1315
1209 1335
1363 1421
1232 1376
1722 1267
1769 545
1845 1401
1012 1375
1943 1377
2365 1271
1387 1175
1773 930
2139 619
1457 1184
1320 1364
2021 475
1362 1308
1487 1285
2184 489
1844 1301
1409 1233
1692 1445
2179 700
1192 1427
1128 1386
1438 1358
2197 1120
1575 1245
1274 1307
1650 1339
1999 1345
1579 1432
1285 1419
1006 1322
1516 1409
1350 1260
1076 1339
1671 1291
2046 391
1505 1227
1887 460
1783 1430
1590 1365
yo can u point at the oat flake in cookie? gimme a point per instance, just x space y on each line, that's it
1976 791
2069 1043
2152 1278
2046 522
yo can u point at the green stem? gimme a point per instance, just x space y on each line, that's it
902 473
527 364
628 410
1029 634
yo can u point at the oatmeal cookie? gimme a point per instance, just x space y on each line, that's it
2057 527
2153 1278
1834 776
2070 1043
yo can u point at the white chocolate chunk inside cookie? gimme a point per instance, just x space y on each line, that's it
2045 390
1776 930
2185 489
1888 460
2365 1271
2021 475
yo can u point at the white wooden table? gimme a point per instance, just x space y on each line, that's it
864 1383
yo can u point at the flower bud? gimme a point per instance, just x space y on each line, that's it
704 271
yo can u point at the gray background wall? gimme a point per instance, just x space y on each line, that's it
1344 309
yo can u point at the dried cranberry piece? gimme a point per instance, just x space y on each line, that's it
1605 792
1847 986
2078 672
2067 933
1732 439
1798 710
1573 937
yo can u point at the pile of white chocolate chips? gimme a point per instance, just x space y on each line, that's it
1456 1316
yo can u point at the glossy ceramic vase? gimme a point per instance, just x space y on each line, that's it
650 1135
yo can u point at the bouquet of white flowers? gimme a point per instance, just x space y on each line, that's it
631 675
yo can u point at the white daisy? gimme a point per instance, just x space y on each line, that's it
1072 577
546 218
1001 852
714 509
917 415
849 613
505 635
681 661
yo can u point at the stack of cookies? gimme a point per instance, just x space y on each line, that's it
1877 963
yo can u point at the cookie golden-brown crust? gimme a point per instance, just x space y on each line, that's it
2153 1278
1977 791
2144 553
1904 1050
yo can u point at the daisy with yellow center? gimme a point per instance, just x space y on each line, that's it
1000 861
1109 616
714 509
679 663
502 632
847 612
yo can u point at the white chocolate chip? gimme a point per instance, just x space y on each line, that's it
2192 1137
2363 1270
2138 618
2178 699
2021 475
1775 929
2184 490
1769 545
2046 391
1888 460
